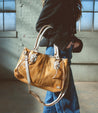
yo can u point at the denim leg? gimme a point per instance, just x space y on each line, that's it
70 100
49 98
49 95
69 103
71 94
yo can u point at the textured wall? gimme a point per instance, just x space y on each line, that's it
85 67
27 13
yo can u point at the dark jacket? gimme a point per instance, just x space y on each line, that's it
59 14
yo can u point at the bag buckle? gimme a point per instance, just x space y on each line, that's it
56 66
33 58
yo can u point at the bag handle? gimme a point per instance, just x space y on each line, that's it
39 37
40 34
62 93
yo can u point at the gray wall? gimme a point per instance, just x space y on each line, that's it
84 64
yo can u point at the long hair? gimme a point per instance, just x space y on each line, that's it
77 6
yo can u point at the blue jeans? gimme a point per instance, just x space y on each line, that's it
69 103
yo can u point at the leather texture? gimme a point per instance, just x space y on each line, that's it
47 72
49 42
58 14
42 71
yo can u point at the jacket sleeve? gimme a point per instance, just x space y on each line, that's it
49 12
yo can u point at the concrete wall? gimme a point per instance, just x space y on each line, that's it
84 64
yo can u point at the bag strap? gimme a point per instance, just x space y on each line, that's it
39 37
62 93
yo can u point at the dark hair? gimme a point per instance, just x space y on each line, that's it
77 6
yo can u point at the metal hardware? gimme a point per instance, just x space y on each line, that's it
33 58
25 51
56 65
58 87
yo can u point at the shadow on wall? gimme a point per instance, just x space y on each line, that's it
8 62
6 73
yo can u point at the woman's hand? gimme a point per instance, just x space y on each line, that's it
76 45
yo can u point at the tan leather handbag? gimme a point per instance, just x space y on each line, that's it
43 71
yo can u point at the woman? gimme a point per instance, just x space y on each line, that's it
62 16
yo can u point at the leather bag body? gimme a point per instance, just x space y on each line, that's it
47 72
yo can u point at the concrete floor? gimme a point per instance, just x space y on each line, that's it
14 97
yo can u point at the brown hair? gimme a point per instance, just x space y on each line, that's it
77 6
